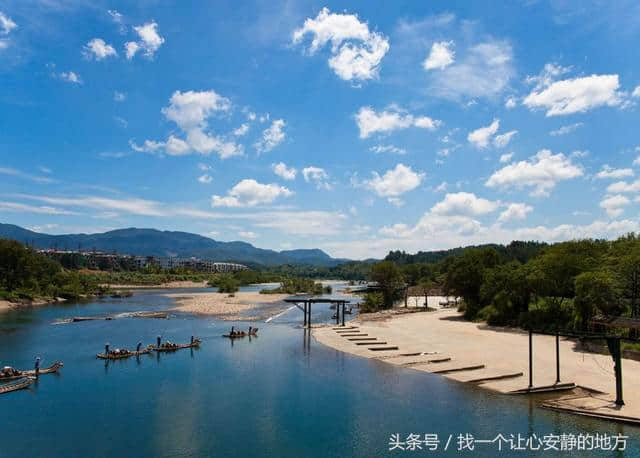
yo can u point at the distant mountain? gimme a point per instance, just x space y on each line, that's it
152 242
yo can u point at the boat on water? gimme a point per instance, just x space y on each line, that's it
9 373
15 386
253 332
76 319
123 353
170 346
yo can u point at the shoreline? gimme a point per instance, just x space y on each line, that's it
491 358
6 306
168 285
241 306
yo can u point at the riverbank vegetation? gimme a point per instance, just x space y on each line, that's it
27 276
546 287
298 286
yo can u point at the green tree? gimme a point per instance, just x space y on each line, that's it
595 292
390 281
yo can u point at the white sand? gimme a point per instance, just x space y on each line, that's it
502 351
228 307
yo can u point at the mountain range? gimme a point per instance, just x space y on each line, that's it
152 242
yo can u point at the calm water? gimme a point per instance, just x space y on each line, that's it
280 394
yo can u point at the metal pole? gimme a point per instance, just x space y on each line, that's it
309 319
343 306
305 314
530 359
557 357
338 313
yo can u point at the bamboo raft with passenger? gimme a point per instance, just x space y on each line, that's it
170 346
119 353
15 386
9 373
253 332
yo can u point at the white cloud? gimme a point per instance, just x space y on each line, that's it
623 186
317 175
99 50
70 77
463 204
481 137
6 24
356 52
203 167
483 71
502 140
249 193
441 56
564 130
20 174
542 172
613 205
394 182
149 146
514 211
191 111
576 95
271 136
284 172
504 158
387 149
636 92
205 179
248 235
369 122
119 96
511 102
16 207
118 18
242 130
609 172
442 187
149 41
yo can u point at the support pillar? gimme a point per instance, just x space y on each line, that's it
530 359
614 348
305 314
338 313
557 357
309 319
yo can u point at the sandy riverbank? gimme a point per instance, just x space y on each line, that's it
249 306
502 353
5 306
168 285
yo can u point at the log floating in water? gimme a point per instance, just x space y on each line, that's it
19 385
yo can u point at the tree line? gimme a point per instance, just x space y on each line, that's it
560 286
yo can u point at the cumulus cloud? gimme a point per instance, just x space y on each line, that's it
514 211
369 122
481 136
564 130
394 182
356 52
99 50
623 186
272 136
6 24
70 77
483 70
205 179
504 158
541 172
387 149
284 172
636 92
191 111
511 102
608 172
318 176
575 95
148 43
441 56
242 130
463 204
613 205
249 193
502 140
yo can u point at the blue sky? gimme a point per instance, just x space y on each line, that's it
355 127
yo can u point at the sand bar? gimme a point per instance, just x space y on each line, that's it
502 351
167 285
250 306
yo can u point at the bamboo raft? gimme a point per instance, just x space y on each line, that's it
15 386
166 347
241 334
127 354
31 373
